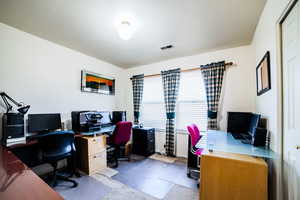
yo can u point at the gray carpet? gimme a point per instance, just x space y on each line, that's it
139 179
121 191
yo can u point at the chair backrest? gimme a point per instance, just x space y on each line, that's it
196 131
122 132
57 144
192 134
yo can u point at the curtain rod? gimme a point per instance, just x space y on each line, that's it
187 70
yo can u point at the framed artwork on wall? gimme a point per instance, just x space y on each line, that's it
97 83
263 75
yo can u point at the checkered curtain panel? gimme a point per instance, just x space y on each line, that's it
170 81
213 77
137 87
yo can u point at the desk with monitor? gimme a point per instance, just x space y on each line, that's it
225 142
244 172
243 156
40 125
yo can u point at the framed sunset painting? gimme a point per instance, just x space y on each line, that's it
97 83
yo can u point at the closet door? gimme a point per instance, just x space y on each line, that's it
291 105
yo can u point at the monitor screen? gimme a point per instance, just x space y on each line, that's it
43 122
106 118
238 122
253 123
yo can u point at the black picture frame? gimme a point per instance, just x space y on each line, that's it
263 75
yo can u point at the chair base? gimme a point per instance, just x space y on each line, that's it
63 178
193 173
56 176
112 158
116 153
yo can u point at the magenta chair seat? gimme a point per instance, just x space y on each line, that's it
198 152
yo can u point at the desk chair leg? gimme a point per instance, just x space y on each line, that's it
57 176
116 158
121 153
72 166
54 179
63 178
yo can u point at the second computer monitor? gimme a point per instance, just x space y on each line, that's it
39 123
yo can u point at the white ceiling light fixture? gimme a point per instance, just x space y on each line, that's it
125 30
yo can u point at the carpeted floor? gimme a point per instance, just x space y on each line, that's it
140 179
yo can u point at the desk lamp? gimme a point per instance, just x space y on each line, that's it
22 108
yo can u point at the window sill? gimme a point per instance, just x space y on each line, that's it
178 131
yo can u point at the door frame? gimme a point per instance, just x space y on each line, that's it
280 99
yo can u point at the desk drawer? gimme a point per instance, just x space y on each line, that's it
96 144
97 162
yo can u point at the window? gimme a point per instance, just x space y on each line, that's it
153 109
191 103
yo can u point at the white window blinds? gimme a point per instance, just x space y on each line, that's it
191 104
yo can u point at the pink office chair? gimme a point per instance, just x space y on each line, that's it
195 137
122 133
196 130
118 140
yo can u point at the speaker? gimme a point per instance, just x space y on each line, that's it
259 137
12 127
118 116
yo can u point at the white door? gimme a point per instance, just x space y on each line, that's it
291 104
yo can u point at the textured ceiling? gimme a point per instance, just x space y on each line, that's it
89 26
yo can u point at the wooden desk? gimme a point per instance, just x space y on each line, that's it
87 161
232 170
17 181
229 176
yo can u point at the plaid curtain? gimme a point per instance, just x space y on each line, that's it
213 77
137 87
170 81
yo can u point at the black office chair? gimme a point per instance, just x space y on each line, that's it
55 147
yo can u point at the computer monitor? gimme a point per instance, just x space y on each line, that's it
106 118
38 123
255 118
238 122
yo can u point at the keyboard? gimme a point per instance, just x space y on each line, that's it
246 141
107 129
237 136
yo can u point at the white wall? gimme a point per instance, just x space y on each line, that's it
239 84
266 39
47 76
